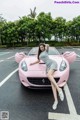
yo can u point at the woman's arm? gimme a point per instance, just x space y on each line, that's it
35 62
47 47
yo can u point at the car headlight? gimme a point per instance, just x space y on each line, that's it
24 66
63 66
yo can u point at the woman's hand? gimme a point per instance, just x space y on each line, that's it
31 63
35 62
47 47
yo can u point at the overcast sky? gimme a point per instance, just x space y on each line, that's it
12 9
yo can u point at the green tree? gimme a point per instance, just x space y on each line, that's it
2 22
43 26
26 29
32 13
58 28
68 34
9 34
75 29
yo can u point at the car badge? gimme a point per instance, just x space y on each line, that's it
43 80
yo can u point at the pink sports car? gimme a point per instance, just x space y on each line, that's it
34 76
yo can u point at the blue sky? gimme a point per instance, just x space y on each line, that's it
12 9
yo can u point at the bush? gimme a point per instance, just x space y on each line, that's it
2 46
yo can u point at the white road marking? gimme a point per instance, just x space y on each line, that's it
71 106
7 78
78 58
78 55
73 114
4 53
7 59
78 49
60 116
1 61
10 57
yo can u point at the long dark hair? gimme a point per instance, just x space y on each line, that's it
39 51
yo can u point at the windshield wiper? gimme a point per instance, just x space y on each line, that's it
31 54
41 63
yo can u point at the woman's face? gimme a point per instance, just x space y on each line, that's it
42 48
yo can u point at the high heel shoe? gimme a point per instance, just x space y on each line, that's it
54 106
61 95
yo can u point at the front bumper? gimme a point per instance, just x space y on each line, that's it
30 80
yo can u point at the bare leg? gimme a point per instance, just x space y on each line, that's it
54 106
54 92
50 77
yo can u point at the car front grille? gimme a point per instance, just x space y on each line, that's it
40 81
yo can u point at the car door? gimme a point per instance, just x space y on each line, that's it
70 56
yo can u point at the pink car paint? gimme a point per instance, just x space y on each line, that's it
19 56
70 56
37 72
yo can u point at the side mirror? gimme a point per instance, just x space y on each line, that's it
25 53
62 53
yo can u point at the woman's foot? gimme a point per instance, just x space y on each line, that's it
54 106
61 94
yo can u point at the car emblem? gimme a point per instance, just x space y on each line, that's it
43 80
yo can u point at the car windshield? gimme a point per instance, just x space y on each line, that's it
52 51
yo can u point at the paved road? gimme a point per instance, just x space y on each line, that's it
26 104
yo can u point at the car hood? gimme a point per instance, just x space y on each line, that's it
41 66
